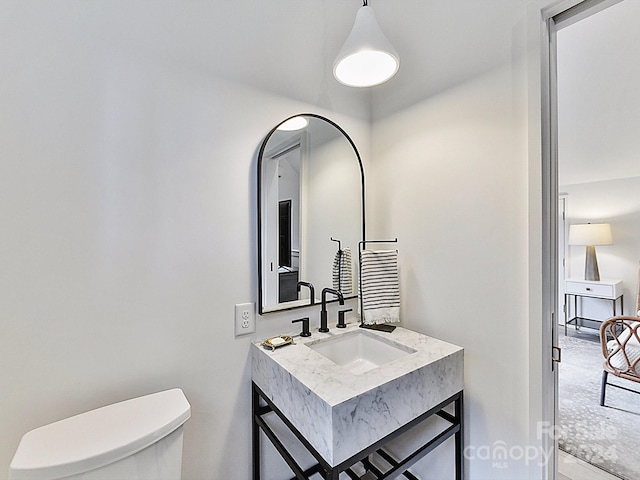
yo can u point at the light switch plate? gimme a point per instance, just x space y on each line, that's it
245 318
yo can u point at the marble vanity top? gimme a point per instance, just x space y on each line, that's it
339 412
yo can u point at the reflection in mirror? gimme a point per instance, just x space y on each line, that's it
310 213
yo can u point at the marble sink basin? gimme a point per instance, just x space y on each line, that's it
340 405
360 351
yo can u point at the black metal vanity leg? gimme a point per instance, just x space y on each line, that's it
255 433
459 438
332 474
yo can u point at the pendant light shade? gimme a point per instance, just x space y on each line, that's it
293 124
367 57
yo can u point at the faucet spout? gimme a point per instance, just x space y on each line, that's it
323 313
312 290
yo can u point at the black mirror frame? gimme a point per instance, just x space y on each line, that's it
259 202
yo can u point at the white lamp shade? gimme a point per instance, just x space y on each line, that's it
367 57
590 234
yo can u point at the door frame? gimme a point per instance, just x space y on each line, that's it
554 17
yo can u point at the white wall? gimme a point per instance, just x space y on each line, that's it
128 134
336 188
615 202
456 177
598 99
597 151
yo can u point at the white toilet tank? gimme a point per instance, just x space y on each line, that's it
138 439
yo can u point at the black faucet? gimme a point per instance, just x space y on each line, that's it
323 313
311 289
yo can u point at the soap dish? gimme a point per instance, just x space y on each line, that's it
277 342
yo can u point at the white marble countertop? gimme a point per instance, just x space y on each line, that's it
339 412
333 383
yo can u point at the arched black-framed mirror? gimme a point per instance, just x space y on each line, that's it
311 212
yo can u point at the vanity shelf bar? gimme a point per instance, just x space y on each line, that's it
261 406
361 245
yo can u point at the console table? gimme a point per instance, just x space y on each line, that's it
602 289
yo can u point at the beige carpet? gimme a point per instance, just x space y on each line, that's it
607 437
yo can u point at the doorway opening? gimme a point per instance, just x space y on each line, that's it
582 436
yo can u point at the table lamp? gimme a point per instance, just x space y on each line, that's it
590 235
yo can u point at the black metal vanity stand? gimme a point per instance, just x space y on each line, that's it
262 406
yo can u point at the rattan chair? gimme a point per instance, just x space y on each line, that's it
620 341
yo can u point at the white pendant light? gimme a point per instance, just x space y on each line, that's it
367 57
293 124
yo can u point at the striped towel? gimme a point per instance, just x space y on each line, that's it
342 276
380 288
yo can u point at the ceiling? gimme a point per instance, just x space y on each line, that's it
599 96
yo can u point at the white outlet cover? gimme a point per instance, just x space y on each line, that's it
245 319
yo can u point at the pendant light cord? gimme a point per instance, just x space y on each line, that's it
364 3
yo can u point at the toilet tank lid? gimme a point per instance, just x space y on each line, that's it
99 437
